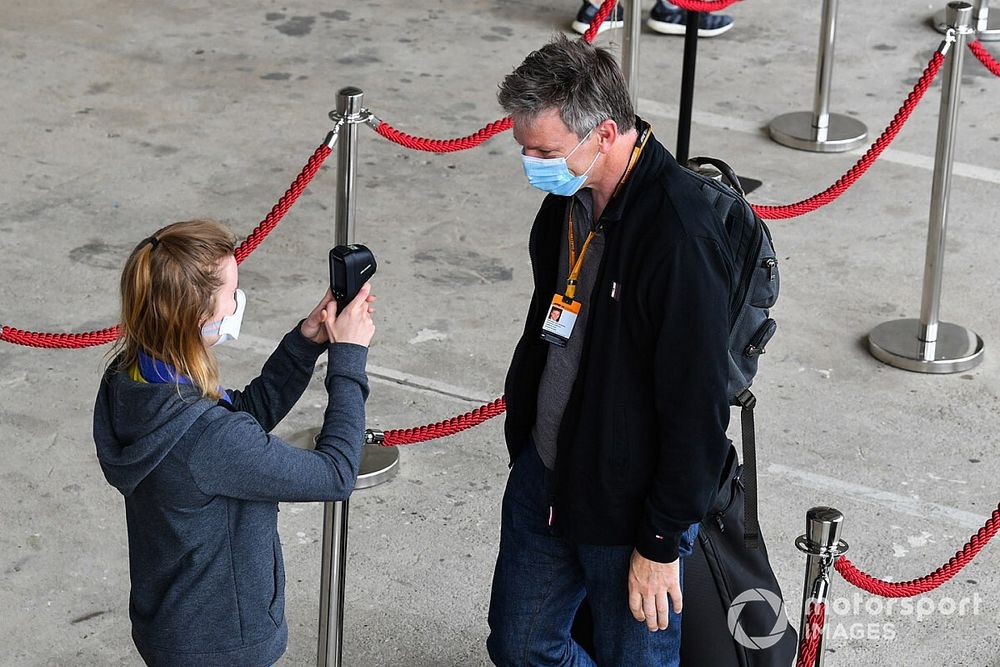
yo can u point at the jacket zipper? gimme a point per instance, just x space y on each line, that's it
574 394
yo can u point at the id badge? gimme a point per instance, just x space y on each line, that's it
560 320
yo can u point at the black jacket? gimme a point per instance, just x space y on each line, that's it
643 439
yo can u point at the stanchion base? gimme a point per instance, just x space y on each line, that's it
378 464
796 130
897 343
991 34
749 184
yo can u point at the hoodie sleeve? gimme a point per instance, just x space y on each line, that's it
236 457
690 363
284 377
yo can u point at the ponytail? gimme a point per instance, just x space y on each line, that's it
168 288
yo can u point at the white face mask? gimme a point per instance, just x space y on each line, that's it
228 327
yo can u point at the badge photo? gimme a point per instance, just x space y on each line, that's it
561 319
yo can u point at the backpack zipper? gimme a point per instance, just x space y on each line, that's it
749 264
770 264
756 344
737 481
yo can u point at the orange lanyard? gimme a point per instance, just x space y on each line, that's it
647 132
576 263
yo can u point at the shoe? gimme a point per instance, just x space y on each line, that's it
588 12
670 20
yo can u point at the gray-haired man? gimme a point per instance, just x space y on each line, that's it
617 412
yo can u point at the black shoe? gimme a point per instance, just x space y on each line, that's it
588 12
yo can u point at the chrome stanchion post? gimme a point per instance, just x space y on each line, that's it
378 464
349 111
630 47
987 27
819 130
928 345
824 69
821 544
332 579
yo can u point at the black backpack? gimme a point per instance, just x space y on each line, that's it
750 324
730 557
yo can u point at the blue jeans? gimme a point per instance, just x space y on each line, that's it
541 578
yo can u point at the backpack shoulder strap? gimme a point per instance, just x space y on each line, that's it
751 523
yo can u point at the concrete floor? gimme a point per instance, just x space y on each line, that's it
118 117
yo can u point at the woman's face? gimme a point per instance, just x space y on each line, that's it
225 296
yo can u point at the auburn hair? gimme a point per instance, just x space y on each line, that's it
168 289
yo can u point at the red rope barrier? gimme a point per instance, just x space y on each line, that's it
861 166
809 642
985 57
104 336
764 211
443 145
59 340
703 5
906 589
602 14
279 210
409 436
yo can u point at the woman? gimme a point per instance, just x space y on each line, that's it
200 472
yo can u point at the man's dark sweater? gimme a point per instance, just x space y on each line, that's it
202 481
642 441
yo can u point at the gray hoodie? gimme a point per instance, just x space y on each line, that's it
202 481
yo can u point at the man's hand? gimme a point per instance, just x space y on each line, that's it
649 584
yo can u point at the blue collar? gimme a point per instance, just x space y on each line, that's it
155 371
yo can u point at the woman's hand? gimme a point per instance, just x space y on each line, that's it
312 327
354 324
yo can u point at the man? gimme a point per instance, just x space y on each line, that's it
616 425
665 18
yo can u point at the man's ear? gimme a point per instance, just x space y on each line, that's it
607 134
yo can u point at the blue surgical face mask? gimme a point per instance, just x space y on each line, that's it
553 175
